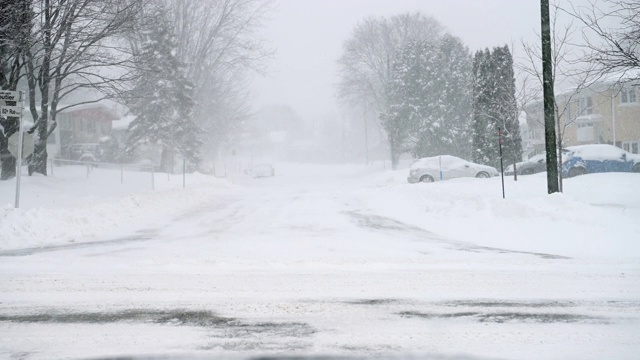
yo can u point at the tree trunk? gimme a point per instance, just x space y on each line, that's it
549 101
9 162
395 157
166 160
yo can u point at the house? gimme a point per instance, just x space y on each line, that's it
82 124
607 112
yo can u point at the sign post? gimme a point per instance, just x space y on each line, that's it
501 164
15 111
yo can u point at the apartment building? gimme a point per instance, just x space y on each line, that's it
607 112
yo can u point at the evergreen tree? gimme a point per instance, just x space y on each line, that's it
430 107
162 98
494 107
505 105
447 101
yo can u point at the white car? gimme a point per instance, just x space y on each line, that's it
262 170
445 167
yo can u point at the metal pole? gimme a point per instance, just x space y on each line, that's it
501 164
613 117
366 136
19 159
559 148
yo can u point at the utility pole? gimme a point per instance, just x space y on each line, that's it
366 136
549 100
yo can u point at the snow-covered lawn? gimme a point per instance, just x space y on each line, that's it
319 260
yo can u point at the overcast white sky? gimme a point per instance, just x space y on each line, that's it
308 36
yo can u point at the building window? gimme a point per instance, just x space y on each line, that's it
65 123
91 126
628 96
631 146
585 132
585 106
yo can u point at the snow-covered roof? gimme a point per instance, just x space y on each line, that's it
122 123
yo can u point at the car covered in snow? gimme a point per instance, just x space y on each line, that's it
598 158
536 164
261 170
445 167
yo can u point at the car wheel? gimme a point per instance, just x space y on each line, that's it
527 172
577 171
483 175
426 179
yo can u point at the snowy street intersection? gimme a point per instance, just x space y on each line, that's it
310 264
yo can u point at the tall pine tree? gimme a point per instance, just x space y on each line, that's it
162 98
430 107
494 107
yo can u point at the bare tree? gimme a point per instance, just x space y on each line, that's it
611 35
366 65
73 49
220 43
15 19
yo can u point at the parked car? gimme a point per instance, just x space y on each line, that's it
535 164
262 170
586 159
88 152
447 167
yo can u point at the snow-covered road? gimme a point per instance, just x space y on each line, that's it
331 261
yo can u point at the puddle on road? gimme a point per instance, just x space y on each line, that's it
503 317
510 304
373 302
230 327
142 236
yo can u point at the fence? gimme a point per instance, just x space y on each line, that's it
90 166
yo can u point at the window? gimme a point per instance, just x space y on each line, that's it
585 106
567 112
631 146
65 123
91 126
585 132
628 96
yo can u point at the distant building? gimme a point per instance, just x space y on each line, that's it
82 124
607 112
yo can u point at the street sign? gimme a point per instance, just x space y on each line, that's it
9 95
27 144
7 111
